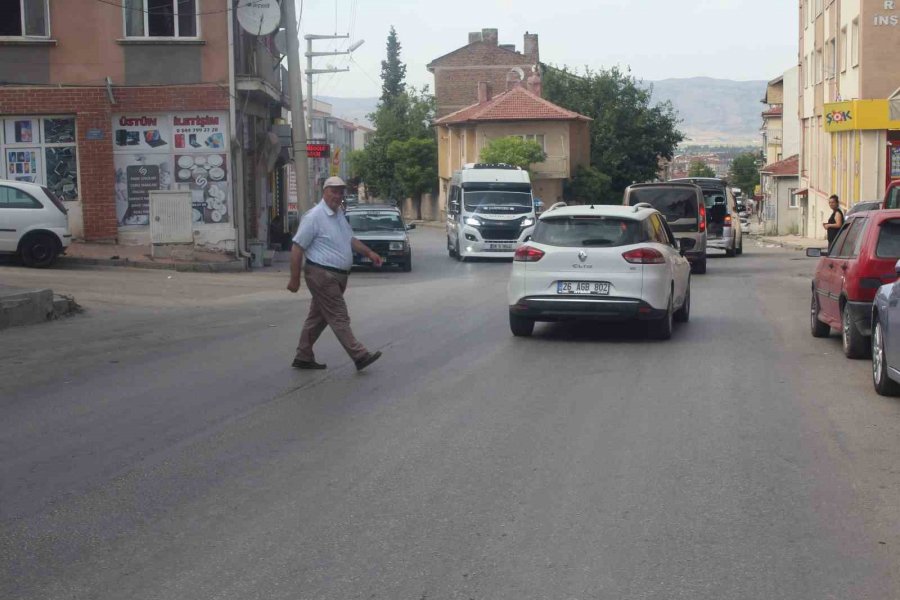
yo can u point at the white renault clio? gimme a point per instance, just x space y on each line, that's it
601 263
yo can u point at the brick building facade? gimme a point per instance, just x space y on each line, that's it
106 102
458 73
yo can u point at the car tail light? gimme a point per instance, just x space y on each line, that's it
702 217
528 254
728 220
644 256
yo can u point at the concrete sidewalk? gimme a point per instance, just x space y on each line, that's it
793 242
118 255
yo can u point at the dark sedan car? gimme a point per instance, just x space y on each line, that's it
382 229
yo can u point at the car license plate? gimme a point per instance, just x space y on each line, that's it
495 246
588 288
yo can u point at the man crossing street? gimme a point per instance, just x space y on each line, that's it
326 241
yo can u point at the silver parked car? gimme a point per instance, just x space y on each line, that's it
886 338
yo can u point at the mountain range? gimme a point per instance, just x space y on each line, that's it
712 111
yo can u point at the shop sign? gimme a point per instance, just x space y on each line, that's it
854 115
176 151
318 150
889 20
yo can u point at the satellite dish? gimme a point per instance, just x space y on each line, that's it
259 17
281 42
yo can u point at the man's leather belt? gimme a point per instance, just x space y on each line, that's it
332 269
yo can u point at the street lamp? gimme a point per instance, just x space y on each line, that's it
355 45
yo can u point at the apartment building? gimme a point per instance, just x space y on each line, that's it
458 73
105 102
849 74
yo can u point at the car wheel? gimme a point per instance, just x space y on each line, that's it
817 327
407 266
661 329
683 314
39 251
740 248
459 255
729 252
451 251
520 326
884 385
699 267
855 344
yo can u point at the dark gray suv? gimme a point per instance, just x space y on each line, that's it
684 210
382 229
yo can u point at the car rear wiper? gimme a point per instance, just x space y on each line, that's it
596 242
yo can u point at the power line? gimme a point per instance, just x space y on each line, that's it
160 11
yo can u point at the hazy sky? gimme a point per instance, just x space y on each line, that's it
658 39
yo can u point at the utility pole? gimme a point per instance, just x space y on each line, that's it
310 71
298 128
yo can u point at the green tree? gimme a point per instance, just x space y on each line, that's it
699 168
513 150
393 72
415 167
744 172
629 136
590 186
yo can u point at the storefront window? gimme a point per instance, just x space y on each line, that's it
178 151
41 150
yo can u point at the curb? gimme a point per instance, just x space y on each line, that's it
231 266
789 245
429 224
34 306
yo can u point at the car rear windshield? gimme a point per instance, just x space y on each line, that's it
588 231
675 204
888 240
374 221
713 197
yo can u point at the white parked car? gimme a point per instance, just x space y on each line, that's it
601 263
33 223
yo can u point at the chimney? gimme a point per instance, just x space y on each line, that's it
474 36
484 92
513 78
530 48
490 36
510 47
534 82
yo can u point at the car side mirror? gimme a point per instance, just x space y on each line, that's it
816 252
410 226
897 268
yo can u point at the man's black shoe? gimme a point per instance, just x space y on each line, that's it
367 360
307 364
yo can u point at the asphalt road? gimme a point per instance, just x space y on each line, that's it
159 446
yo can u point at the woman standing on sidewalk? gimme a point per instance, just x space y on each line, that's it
835 221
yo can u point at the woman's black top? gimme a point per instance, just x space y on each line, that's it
832 233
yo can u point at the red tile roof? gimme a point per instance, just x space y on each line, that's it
784 168
517 104
775 111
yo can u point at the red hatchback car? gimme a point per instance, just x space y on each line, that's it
860 260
